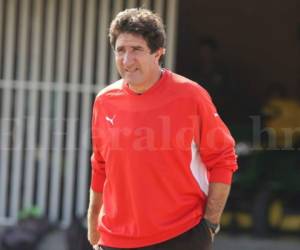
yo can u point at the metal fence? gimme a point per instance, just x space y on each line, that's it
54 58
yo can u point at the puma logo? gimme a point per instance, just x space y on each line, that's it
110 120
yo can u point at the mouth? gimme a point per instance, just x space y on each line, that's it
131 71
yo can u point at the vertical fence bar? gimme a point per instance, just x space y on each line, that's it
113 72
57 163
46 106
171 33
23 43
145 4
69 174
20 97
3 164
72 121
131 4
31 147
103 46
1 33
86 107
159 7
6 104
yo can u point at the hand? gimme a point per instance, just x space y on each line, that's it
93 236
97 247
92 218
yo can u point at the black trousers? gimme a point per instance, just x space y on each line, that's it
197 238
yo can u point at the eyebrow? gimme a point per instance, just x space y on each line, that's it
132 47
137 47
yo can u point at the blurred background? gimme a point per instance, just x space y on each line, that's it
54 59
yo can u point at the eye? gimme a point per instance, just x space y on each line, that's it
138 49
118 50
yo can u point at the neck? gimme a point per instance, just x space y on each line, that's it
141 88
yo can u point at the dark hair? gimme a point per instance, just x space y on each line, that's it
142 22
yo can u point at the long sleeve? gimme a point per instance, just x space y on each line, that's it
216 144
97 161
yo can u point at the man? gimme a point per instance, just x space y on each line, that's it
162 158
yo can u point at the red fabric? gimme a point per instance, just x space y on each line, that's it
142 159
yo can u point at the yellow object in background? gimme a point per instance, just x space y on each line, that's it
283 116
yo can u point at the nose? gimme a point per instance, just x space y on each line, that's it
127 58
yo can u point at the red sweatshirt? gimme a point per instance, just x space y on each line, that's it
154 155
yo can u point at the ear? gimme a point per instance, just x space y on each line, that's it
160 52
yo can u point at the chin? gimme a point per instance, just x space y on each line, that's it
133 81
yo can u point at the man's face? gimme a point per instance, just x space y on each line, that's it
134 61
